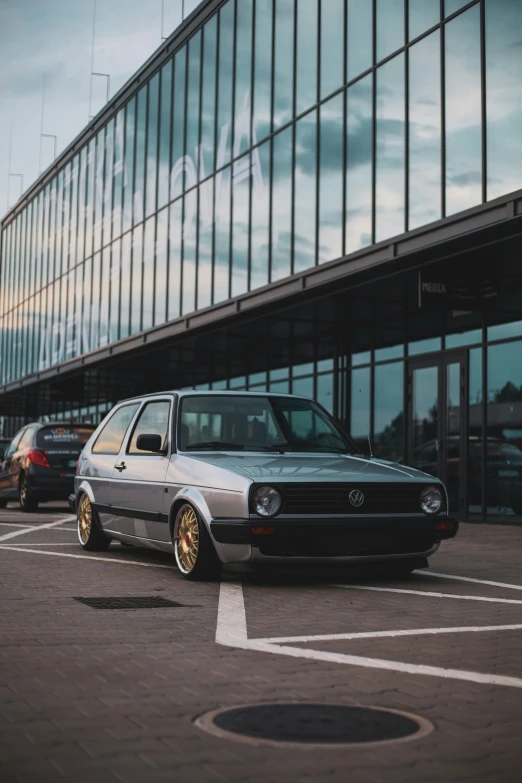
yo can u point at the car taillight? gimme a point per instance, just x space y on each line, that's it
38 458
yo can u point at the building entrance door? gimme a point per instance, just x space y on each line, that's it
437 431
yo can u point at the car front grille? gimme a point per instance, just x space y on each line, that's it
329 498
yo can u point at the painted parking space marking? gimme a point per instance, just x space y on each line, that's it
20 544
231 631
430 594
45 526
469 579
334 637
113 560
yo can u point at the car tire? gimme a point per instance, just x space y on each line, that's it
3 502
90 533
27 501
194 551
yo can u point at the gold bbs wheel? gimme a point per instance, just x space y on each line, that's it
187 540
84 519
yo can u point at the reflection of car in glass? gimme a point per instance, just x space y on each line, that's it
243 477
40 462
4 442
503 469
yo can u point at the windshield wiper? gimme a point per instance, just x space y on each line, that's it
214 445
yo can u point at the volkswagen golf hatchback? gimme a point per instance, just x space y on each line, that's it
242 477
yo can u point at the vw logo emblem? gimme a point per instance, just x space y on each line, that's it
356 498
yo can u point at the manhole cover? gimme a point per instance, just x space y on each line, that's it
129 602
313 724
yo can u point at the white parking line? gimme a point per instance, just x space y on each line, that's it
231 631
39 543
469 579
333 637
45 526
84 557
430 594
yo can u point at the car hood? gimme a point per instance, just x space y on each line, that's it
290 467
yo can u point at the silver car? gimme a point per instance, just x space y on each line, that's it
244 478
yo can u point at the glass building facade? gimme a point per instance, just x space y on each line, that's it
268 138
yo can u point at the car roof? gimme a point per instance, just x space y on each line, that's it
213 392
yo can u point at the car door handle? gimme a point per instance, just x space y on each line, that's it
121 466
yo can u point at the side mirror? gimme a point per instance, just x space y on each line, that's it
150 443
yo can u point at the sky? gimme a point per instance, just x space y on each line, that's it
52 41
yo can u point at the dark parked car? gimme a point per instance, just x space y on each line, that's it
4 443
40 462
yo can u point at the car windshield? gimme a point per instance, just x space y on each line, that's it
258 423
64 436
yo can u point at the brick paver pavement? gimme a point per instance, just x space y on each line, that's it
101 695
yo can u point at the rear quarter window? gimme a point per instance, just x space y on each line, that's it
64 437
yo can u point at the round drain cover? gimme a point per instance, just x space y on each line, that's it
315 724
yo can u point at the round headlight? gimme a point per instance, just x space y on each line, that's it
266 501
431 500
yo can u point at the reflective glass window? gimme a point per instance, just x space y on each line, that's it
504 429
263 68
240 225
260 215
424 173
175 231
388 435
190 225
331 140
153 420
283 62
139 163
360 37
389 189
114 326
360 406
303 386
149 272
451 6
107 177
305 174
324 394
178 125
125 284
94 340
117 173
111 437
205 242
244 17
281 204
193 113
463 112
208 97
152 146
89 206
98 197
225 81
165 118
137 279
86 306
306 55
422 15
82 184
359 164
504 96
52 233
73 231
222 236
160 274
332 46
128 179
390 27
105 278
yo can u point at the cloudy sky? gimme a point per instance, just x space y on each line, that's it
53 38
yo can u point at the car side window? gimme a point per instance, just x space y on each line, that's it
26 439
111 437
14 444
153 420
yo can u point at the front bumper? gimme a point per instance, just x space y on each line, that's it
339 537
